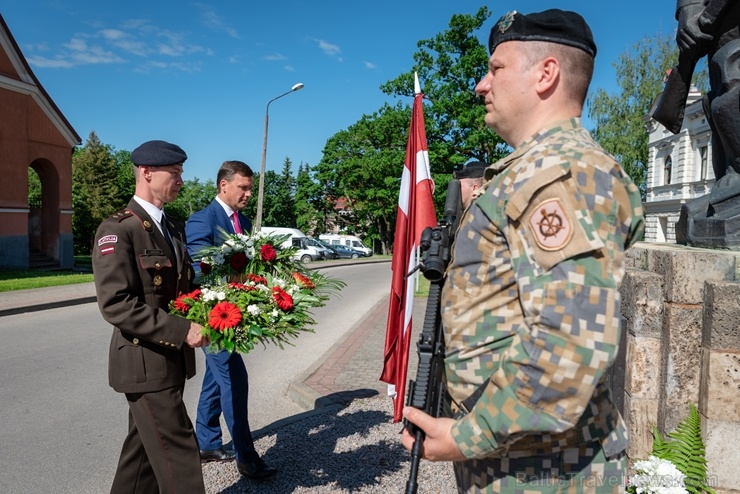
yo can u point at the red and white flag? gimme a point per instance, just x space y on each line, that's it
415 213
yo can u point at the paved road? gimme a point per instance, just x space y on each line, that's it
62 425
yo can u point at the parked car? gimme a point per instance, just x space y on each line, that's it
346 252
346 240
307 250
326 250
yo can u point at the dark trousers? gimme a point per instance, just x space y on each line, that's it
225 390
160 453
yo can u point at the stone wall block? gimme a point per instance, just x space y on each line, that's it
721 315
680 363
719 392
641 293
637 256
642 375
641 417
721 439
686 270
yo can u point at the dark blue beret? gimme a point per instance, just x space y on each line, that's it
158 153
554 25
474 169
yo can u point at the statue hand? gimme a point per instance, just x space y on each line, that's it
691 39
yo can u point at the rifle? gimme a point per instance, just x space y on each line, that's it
670 108
428 391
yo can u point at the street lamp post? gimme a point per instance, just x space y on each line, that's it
260 194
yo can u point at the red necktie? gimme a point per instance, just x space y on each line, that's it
237 225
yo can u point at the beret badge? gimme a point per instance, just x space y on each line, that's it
506 21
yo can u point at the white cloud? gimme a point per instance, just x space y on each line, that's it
214 21
328 48
108 45
275 57
370 65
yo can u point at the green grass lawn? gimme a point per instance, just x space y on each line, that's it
22 280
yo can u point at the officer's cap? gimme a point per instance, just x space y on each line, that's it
474 169
554 25
158 153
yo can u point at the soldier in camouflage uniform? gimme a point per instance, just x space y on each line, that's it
530 305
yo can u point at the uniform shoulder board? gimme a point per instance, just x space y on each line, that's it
122 215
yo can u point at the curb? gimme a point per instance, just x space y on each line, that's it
48 305
328 365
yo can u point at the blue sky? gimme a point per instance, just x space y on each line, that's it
200 74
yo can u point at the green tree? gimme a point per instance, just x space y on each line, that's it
619 118
124 176
308 199
94 190
364 163
34 188
449 66
193 197
274 211
363 166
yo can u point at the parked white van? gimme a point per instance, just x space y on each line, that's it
306 251
350 241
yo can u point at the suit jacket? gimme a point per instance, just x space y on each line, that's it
203 228
136 276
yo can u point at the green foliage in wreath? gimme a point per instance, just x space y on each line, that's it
685 449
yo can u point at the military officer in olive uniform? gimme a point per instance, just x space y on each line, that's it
140 264
530 305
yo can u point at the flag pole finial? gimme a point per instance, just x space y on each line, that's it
417 86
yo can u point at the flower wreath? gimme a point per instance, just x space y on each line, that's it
253 291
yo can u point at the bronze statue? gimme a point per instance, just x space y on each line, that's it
710 28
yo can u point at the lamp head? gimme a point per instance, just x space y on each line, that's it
297 86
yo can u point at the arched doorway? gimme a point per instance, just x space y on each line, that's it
43 216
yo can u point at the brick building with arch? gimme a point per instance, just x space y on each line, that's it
34 134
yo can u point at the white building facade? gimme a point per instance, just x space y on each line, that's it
679 170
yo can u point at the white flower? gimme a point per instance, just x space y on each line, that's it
254 309
657 476
211 295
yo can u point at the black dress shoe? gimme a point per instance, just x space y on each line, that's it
220 454
256 470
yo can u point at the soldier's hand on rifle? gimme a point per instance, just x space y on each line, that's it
692 39
438 444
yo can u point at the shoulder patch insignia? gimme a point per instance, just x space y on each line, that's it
550 225
108 239
108 249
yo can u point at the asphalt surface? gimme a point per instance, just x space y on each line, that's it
347 371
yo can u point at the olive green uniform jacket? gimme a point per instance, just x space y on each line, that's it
135 280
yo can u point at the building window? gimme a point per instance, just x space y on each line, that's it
703 158
667 170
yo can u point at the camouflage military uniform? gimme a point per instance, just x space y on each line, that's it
531 315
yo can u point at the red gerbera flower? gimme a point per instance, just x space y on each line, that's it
282 298
268 253
257 279
302 279
195 294
224 315
238 261
241 286
205 268
180 303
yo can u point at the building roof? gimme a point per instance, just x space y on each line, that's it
24 81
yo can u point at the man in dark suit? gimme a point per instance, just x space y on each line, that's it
225 383
140 264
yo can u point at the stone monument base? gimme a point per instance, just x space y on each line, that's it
710 222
